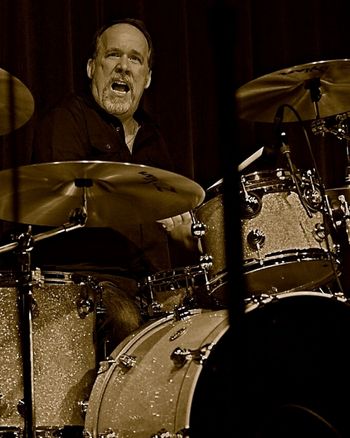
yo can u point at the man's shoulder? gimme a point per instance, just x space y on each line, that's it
71 101
72 107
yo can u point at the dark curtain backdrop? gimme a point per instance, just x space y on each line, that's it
204 50
46 44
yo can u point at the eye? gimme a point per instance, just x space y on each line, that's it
136 59
113 54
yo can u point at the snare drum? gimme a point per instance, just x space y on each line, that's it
188 378
64 362
167 290
285 242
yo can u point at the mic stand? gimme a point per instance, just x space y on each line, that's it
24 246
285 150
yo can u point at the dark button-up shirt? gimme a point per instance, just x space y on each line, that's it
79 129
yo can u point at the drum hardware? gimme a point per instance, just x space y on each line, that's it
252 203
338 207
83 404
345 209
181 356
127 361
105 364
256 240
285 150
172 291
181 313
335 125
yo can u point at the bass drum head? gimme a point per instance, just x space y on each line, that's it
282 371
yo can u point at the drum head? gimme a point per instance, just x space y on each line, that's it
284 374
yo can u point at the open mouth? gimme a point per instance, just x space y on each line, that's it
121 87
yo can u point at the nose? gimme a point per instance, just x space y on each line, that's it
123 63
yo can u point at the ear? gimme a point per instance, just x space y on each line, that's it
148 82
90 67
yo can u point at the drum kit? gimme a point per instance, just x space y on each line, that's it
154 382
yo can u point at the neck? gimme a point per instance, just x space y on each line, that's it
130 131
130 126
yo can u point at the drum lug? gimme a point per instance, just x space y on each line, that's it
251 206
319 232
180 356
85 303
198 229
181 313
256 240
127 361
84 405
206 262
85 306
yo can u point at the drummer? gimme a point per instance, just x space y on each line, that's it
108 123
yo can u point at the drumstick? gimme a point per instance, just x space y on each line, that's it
242 166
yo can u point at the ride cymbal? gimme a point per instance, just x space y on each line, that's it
323 83
113 194
16 103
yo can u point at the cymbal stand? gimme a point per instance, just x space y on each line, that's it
313 85
24 245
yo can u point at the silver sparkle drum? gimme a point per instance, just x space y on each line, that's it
147 386
193 377
286 243
167 290
64 362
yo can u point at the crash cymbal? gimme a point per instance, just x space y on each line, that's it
259 99
16 103
116 194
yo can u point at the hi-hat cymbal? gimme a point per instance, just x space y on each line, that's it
116 194
16 103
259 99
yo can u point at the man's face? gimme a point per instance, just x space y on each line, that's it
120 72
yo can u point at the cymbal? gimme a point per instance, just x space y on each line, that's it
16 103
259 99
116 194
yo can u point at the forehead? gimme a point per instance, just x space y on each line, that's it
124 36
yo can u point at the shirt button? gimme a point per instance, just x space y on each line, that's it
108 147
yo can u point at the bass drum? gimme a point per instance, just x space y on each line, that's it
280 371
